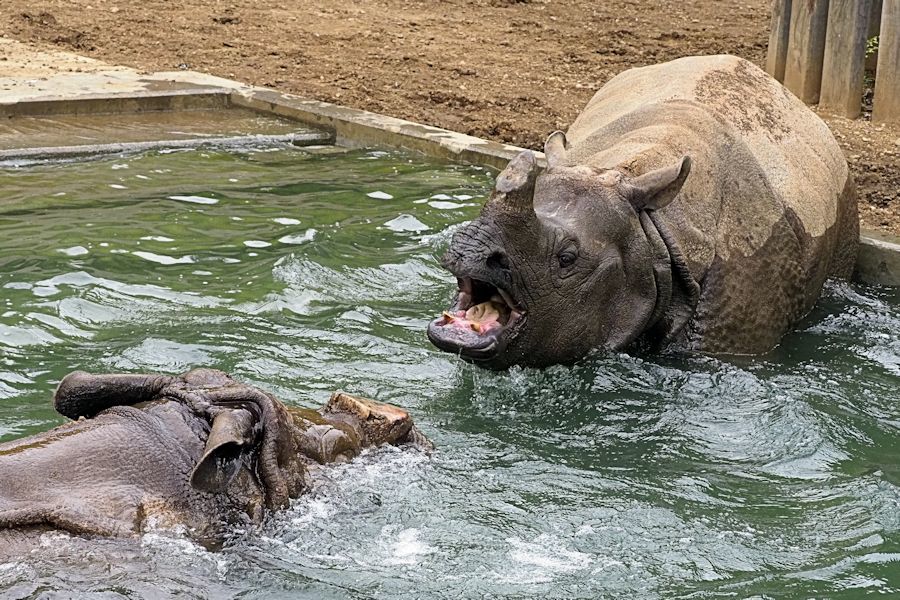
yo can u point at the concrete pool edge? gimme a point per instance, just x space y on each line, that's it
52 82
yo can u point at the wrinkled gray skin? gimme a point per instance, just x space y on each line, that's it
693 205
198 449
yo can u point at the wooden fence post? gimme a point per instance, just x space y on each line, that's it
874 30
845 57
887 82
806 49
778 38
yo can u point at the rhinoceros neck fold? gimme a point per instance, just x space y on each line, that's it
662 271
677 292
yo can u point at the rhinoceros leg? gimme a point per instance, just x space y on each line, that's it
81 394
66 518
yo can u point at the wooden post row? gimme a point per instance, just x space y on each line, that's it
778 38
887 81
844 62
806 49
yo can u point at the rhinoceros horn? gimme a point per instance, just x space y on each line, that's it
514 189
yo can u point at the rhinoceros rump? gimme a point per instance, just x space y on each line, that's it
695 204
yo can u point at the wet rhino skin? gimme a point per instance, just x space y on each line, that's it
199 450
693 205
769 211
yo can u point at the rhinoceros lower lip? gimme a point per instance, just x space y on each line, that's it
480 323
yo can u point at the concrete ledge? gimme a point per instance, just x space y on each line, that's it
879 259
354 127
192 98
297 139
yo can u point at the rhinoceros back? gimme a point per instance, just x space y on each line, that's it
769 209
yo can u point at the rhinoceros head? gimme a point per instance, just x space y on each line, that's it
557 263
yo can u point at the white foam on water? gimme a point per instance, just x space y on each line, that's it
74 251
163 259
379 195
441 197
118 166
230 261
44 291
195 199
198 272
374 155
436 240
463 197
317 509
12 572
543 559
405 223
141 177
286 221
173 542
18 285
117 186
256 244
157 238
306 236
445 205
406 547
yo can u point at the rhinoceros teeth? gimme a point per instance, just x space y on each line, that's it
464 284
464 300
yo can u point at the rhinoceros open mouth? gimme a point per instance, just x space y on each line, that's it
480 323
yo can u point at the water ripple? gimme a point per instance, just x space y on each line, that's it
619 476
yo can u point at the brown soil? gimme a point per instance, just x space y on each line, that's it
508 70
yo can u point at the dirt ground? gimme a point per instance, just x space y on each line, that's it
508 70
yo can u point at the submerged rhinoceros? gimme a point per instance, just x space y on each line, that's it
199 450
695 205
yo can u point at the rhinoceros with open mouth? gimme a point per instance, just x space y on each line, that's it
695 205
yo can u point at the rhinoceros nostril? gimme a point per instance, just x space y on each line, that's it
498 260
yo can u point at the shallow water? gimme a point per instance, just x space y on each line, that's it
669 477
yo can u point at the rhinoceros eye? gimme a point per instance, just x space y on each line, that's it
567 258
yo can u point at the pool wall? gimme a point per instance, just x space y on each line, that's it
36 82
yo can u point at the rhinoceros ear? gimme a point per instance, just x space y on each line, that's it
656 189
555 149
229 438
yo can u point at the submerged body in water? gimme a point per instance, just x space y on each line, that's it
199 450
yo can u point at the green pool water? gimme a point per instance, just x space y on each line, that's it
618 477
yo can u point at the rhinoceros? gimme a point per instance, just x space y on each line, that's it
693 205
199 450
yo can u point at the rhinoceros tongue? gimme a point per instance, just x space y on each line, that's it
480 318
